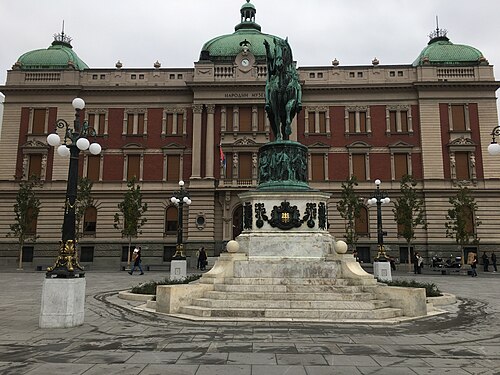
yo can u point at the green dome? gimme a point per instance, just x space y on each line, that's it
58 56
440 51
247 36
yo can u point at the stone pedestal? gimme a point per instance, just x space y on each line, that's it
382 271
285 225
63 303
178 269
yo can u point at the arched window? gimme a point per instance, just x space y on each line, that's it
361 222
90 220
171 220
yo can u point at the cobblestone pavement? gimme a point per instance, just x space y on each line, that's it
116 339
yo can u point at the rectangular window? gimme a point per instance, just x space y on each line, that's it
93 167
400 166
322 122
133 167
28 254
173 165
404 121
245 165
311 125
317 167
462 165
393 121
245 114
31 227
352 122
359 166
130 123
170 123
168 253
38 121
229 165
90 221
362 122
35 166
140 123
87 254
171 220
125 253
261 114
458 117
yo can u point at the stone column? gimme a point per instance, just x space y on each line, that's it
209 144
196 154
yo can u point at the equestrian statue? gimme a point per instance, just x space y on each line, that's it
283 91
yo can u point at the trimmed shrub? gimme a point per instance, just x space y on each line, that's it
150 287
431 289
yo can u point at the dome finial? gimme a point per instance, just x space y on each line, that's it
62 38
438 34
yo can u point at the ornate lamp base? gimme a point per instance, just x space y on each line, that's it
66 263
179 252
381 255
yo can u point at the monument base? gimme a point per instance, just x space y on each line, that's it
62 303
382 271
178 269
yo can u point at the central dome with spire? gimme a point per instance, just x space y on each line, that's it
247 36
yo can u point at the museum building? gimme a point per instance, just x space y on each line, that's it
430 118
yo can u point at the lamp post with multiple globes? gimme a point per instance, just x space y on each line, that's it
379 198
179 198
75 140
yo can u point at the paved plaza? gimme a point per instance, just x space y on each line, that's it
116 339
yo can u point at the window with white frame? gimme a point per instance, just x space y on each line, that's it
317 120
135 122
399 119
357 120
98 119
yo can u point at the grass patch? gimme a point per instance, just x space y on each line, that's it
431 289
150 286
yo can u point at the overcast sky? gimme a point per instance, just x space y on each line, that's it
172 31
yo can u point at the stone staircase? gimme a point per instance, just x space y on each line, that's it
291 299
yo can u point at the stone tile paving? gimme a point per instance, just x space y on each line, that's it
117 339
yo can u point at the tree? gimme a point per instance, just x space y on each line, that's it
409 212
26 210
461 222
83 201
131 209
349 208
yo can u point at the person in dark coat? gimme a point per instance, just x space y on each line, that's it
494 261
486 261
202 259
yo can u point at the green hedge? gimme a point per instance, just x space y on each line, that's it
431 289
150 287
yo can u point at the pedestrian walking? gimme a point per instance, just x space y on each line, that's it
494 261
417 263
202 259
473 266
486 261
136 257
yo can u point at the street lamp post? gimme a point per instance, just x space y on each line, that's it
75 140
379 198
179 198
494 147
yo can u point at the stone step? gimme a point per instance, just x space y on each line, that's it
231 304
291 288
290 296
309 314
297 281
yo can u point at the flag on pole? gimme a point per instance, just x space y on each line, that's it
222 156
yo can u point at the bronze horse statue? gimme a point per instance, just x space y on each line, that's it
283 91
